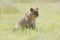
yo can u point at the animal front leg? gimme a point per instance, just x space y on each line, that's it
33 26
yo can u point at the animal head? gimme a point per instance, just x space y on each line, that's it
34 11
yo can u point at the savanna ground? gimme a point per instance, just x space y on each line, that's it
48 22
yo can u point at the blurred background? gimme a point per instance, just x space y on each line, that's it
47 24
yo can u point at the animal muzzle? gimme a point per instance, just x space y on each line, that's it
36 14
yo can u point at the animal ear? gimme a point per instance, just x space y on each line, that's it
31 9
37 8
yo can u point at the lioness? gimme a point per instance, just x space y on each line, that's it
28 20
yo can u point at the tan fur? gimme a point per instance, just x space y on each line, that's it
26 21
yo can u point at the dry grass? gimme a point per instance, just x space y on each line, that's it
48 22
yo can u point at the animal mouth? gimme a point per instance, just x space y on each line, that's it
36 16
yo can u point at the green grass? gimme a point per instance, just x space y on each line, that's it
48 22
